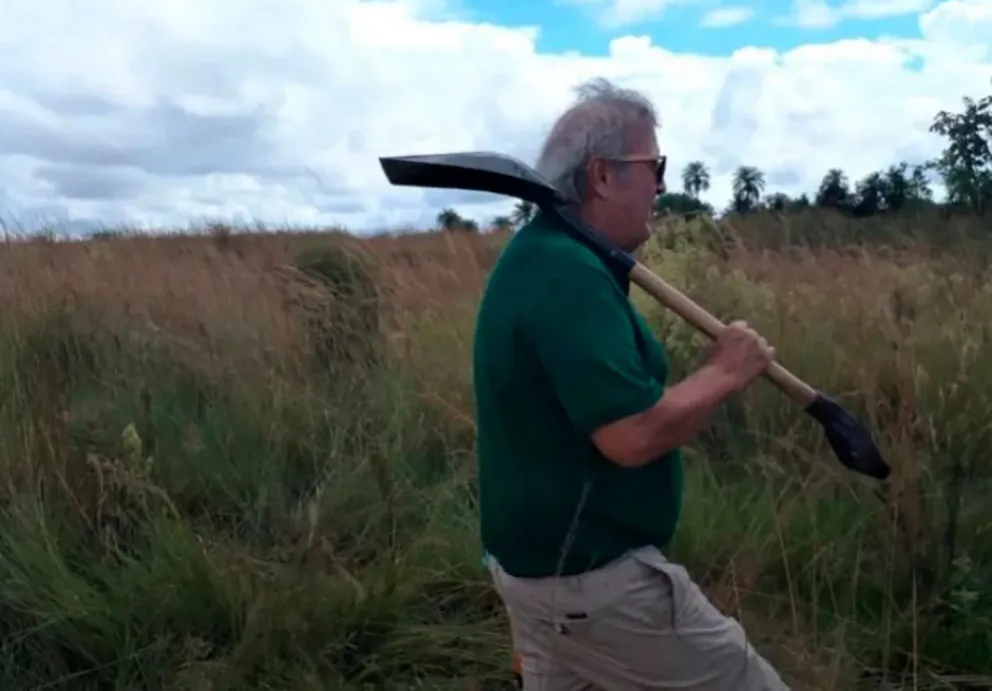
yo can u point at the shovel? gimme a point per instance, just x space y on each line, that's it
484 171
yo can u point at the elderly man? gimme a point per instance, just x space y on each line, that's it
579 430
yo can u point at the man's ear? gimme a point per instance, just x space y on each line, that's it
599 176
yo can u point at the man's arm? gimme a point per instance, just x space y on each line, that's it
679 415
587 346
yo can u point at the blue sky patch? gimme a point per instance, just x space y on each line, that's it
708 27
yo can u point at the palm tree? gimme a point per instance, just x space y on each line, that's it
523 212
695 178
748 186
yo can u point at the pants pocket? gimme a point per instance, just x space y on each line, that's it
676 585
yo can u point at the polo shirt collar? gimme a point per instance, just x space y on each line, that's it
620 276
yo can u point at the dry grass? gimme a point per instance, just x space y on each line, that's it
222 471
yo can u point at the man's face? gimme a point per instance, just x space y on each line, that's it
633 191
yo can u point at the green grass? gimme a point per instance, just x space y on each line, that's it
220 490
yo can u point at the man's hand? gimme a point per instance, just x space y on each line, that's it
740 353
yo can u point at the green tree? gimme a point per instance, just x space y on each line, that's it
748 186
779 201
502 223
965 165
895 190
449 219
680 203
695 178
919 186
834 191
906 188
870 194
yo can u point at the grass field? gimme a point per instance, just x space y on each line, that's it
220 474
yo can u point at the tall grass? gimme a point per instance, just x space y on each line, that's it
246 461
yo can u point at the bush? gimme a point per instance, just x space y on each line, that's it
342 306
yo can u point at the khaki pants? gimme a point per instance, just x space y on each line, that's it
637 623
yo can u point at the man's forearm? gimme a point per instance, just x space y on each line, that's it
682 413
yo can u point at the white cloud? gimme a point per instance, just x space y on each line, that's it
169 110
820 14
812 14
965 24
727 16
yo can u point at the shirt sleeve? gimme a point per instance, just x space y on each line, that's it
586 343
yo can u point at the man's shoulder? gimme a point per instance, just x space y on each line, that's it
543 253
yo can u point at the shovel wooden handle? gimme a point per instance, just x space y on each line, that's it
670 297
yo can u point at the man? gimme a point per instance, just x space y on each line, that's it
579 431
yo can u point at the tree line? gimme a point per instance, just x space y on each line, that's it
964 168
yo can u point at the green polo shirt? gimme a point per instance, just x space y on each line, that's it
560 351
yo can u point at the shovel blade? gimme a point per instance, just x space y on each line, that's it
849 439
479 171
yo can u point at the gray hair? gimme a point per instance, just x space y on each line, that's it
597 125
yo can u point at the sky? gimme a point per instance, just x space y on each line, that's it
167 113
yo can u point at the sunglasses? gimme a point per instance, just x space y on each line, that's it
660 163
